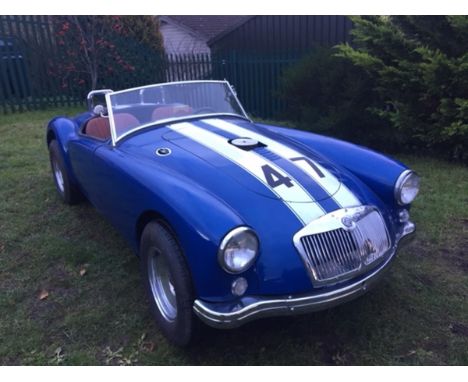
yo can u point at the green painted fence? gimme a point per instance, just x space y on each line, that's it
30 56
256 79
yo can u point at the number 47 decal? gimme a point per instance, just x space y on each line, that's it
275 179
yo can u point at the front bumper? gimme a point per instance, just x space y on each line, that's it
228 316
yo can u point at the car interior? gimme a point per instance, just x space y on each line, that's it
99 127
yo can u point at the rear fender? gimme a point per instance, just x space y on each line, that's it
63 129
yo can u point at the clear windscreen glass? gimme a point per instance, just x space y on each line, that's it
135 108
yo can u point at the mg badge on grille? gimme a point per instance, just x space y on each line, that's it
347 222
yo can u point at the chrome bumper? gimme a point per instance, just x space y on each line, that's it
228 316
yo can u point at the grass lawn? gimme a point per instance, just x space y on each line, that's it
96 312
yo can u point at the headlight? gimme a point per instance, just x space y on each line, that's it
238 250
406 187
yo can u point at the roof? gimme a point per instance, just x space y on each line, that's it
208 26
228 30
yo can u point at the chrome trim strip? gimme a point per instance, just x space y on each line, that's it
171 83
222 247
401 179
261 307
110 114
237 99
92 93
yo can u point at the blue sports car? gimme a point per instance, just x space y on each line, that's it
232 220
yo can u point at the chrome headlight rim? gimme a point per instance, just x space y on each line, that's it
224 244
404 176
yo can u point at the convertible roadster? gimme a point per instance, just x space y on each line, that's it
232 220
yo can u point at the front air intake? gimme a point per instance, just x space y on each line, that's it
351 241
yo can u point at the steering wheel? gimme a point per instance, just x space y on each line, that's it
204 110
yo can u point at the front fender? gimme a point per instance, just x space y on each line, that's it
198 218
376 170
200 221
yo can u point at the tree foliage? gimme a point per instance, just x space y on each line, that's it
329 95
419 67
143 30
95 50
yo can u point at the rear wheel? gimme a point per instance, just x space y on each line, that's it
167 282
69 193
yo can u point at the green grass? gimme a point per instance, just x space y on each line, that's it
418 315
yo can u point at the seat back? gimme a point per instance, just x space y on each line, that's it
99 127
125 122
171 111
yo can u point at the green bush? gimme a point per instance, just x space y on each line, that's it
419 69
329 95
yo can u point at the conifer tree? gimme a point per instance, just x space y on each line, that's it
419 65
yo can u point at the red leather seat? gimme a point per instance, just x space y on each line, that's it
99 127
125 122
171 111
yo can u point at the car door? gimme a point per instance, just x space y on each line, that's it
99 168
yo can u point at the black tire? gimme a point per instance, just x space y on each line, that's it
159 246
69 193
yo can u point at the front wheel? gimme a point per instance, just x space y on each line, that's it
167 282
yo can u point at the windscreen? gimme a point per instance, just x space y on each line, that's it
136 108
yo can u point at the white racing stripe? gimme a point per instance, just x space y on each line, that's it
295 198
340 193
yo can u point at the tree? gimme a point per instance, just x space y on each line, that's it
94 48
144 30
329 95
420 68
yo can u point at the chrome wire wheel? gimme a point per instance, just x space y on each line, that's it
162 286
58 176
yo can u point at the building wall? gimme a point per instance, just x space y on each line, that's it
295 34
181 41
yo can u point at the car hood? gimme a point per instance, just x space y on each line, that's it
231 156
266 164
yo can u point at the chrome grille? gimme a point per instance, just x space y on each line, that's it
331 253
344 249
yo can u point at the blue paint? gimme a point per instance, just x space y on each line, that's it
203 195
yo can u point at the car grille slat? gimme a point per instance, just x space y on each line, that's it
346 244
344 248
329 258
321 255
333 254
340 247
335 251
